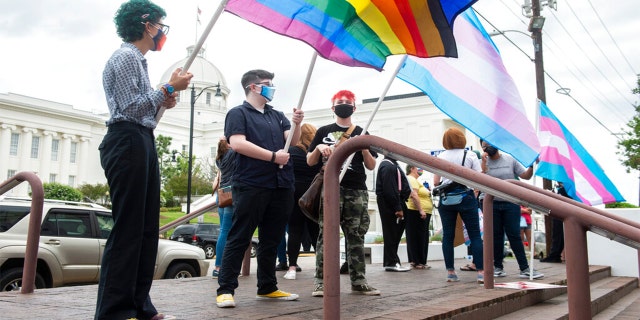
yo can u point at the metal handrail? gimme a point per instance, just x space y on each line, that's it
578 219
35 221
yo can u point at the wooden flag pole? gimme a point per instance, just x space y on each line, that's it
301 100
375 110
196 49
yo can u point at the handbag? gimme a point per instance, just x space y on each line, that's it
309 202
224 197
450 199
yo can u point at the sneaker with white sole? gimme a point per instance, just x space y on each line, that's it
527 274
278 295
452 277
318 291
499 273
225 300
290 275
364 289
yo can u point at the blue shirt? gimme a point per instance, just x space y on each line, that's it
265 130
129 94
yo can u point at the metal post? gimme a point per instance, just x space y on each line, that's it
193 104
578 289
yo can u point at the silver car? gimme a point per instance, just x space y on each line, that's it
72 239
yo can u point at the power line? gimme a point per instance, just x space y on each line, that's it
612 39
546 73
597 45
589 58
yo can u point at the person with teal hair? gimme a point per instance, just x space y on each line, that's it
130 162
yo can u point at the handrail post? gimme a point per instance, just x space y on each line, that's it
331 233
578 288
487 223
35 222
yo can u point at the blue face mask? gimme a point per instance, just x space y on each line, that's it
267 92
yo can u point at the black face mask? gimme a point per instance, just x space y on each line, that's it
491 151
343 110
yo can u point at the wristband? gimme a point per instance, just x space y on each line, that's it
167 89
273 156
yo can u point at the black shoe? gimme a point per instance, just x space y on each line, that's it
344 269
551 260
298 269
282 266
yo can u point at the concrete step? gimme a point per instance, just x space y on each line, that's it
627 308
491 304
604 293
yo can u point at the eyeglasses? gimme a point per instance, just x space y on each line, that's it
267 83
162 27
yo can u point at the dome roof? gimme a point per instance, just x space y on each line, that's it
204 72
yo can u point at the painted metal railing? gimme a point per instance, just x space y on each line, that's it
35 221
578 219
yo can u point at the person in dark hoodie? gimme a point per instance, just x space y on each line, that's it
392 191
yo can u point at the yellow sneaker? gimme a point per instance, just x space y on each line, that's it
225 300
278 295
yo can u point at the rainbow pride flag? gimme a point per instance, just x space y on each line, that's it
360 32
477 91
564 159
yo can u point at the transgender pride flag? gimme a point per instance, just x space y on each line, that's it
476 91
564 159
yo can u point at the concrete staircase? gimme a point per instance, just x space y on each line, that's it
611 298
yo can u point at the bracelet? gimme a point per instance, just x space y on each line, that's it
273 156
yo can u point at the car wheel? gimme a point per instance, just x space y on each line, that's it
254 250
209 251
12 280
179 271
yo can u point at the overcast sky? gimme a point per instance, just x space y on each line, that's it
56 50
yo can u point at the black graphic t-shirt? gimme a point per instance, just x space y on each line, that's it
356 177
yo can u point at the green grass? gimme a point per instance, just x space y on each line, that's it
168 216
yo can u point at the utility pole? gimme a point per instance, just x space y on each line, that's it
535 27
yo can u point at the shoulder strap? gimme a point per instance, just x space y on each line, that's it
347 134
464 157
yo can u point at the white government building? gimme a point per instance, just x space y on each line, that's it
60 143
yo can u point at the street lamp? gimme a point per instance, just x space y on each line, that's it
194 97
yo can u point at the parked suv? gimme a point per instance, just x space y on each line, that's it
72 239
205 236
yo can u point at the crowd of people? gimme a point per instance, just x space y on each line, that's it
267 180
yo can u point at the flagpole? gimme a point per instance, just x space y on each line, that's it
301 99
373 113
196 49
532 241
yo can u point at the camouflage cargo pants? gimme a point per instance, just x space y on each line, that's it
354 221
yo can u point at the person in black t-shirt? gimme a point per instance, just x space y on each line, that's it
354 198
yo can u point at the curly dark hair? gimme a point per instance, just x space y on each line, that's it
132 15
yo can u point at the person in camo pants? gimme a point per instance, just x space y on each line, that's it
354 199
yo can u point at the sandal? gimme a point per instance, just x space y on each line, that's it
419 266
468 268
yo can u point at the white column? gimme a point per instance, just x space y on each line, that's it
45 159
5 145
25 149
84 162
65 156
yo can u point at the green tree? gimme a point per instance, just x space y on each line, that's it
59 191
97 192
178 183
629 148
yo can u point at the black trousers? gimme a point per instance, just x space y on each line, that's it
299 224
130 162
417 236
265 209
391 232
557 239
